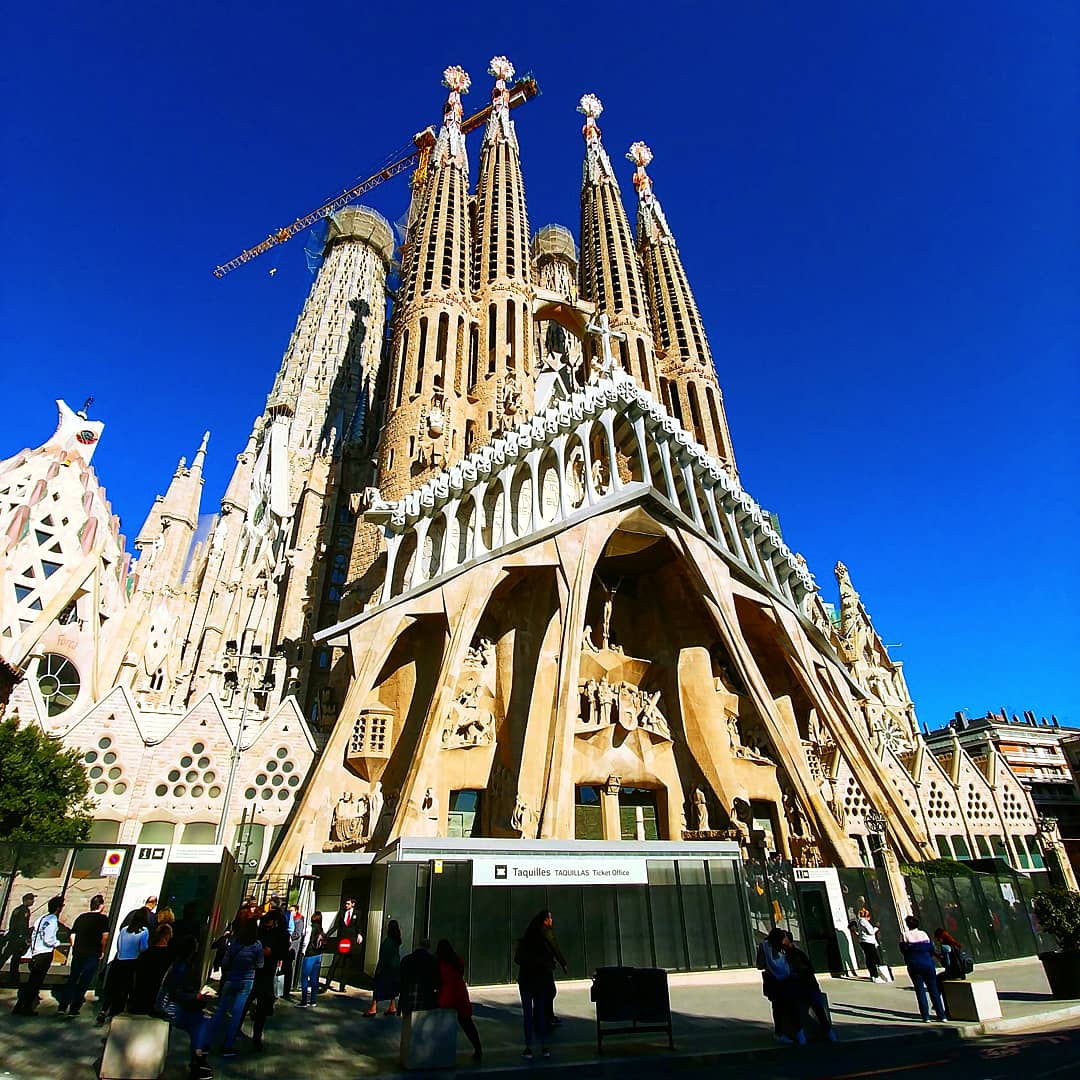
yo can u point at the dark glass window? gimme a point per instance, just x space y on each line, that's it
588 818
638 819
463 816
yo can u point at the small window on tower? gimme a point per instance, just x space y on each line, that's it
69 615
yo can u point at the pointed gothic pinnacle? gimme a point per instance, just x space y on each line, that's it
456 79
591 107
200 454
641 155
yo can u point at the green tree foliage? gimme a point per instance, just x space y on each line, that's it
1059 915
937 868
43 788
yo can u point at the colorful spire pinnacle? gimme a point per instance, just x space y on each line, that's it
597 163
499 124
652 225
456 80
591 106
641 155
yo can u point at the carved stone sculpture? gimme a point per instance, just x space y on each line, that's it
348 821
701 811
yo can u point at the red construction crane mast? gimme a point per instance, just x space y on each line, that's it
423 144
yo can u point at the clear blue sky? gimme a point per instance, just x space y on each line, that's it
876 205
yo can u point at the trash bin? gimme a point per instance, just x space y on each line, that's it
637 998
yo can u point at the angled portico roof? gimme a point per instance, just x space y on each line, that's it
541 476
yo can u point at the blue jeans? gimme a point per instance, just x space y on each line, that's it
536 1001
924 981
83 970
196 1025
233 998
309 978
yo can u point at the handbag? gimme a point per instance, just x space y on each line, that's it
279 984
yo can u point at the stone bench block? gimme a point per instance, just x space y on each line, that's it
136 1048
429 1039
971 999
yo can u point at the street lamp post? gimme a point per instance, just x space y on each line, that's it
878 824
265 664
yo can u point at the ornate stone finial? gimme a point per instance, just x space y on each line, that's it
502 69
456 79
641 155
591 107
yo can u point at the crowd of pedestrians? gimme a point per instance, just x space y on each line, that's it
269 951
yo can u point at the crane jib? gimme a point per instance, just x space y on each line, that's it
520 92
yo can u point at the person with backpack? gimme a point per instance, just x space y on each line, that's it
956 961
43 941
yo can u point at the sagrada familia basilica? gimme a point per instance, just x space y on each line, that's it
485 568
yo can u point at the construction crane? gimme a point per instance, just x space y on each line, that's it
423 144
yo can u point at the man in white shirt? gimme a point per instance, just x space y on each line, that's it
43 941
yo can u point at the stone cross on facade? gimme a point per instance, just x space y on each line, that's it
603 330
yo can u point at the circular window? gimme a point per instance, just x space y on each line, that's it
160 790
179 790
215 791
287 766
174 774
105 743
282 753
197 748
191 775
90 757
58 682
204 762
185 761
101 787
196 791
278 780
250 793
96 771
271 766
283 794
210 776
109 758
293 781
260 779
119 789
114 773
266 793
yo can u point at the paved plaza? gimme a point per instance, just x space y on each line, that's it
716 1014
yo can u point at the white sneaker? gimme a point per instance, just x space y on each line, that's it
879 979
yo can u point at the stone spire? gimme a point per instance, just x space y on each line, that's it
610 276
164 541
426 399
688 382
498 375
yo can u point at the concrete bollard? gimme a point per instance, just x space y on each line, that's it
971 999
